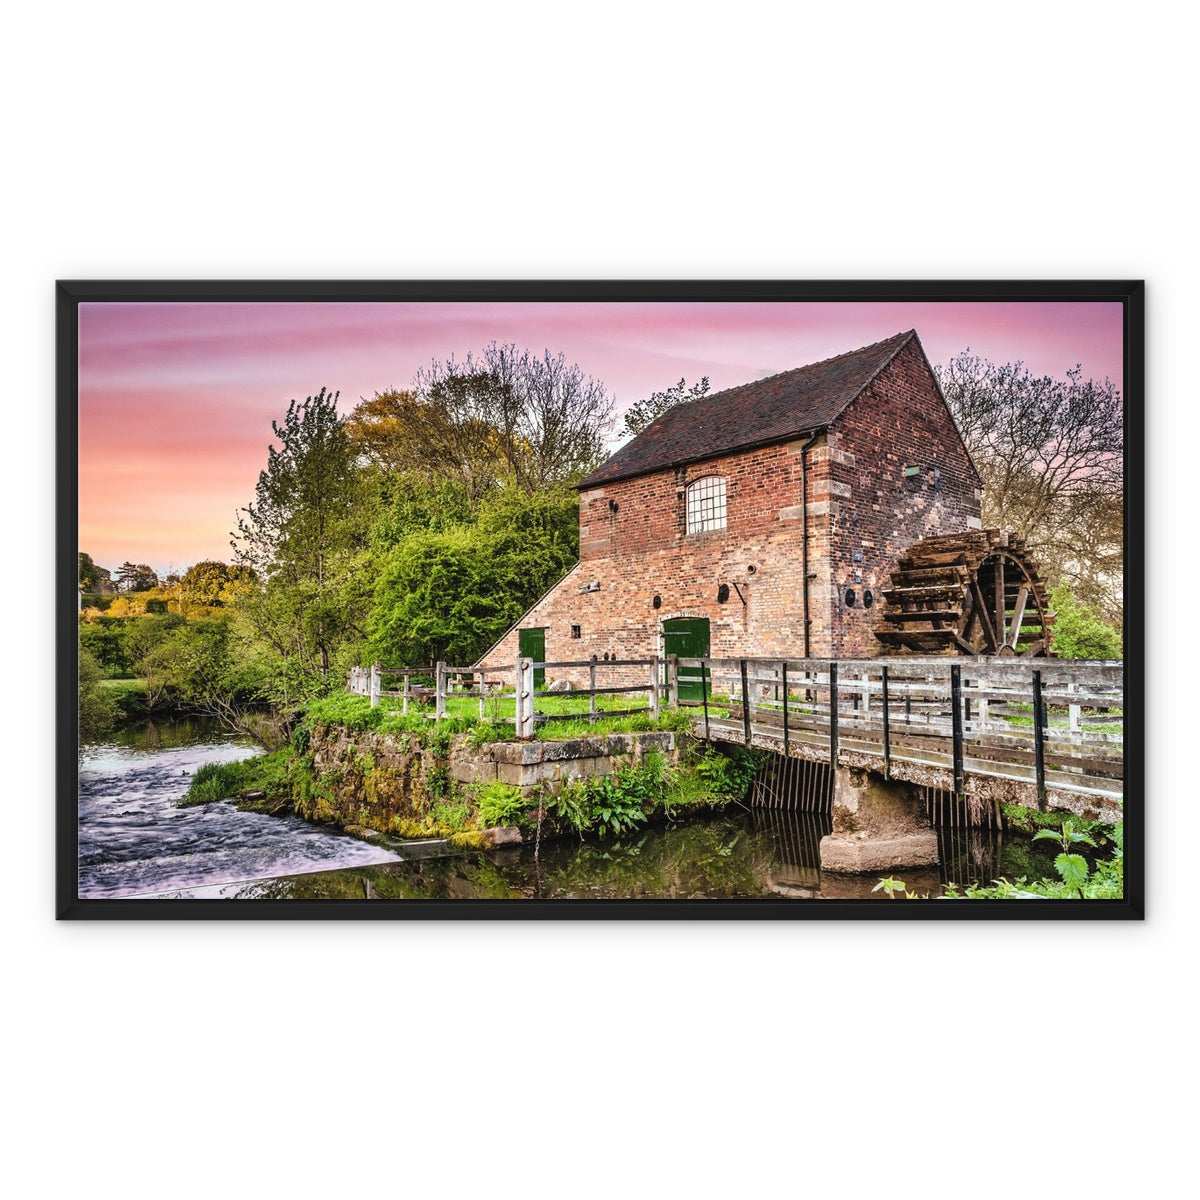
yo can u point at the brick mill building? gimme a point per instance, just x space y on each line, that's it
762 521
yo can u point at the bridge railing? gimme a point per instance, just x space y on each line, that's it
1059 722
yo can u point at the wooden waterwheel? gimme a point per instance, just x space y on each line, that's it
974 592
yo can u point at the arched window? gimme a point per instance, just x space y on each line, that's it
706 504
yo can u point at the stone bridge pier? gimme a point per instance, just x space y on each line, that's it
879 825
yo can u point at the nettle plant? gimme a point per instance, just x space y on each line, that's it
1072 868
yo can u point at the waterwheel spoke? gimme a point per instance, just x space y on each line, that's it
984 623
998 575
1018 615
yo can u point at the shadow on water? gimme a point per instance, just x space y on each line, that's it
740 854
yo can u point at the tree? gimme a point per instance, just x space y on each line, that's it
1079 630
136 578
643 413
91 577
1050 453
442 436
97 708
536 419
214 584
449 595
304 536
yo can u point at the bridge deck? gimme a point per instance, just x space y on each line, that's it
987 744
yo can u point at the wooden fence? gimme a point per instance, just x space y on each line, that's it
1040 723
507 692
1044 723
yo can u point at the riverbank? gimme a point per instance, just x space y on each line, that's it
410 778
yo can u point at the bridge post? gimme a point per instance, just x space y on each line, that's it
878 825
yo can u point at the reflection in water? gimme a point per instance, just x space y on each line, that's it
134 841
741 854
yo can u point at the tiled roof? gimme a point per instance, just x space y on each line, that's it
753 414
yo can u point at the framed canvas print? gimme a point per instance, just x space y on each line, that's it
600 600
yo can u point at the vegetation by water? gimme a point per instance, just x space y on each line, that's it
1077 878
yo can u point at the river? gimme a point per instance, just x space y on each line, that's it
136 842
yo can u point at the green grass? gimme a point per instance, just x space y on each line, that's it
462 716
223 781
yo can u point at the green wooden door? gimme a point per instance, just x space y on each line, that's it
531 643
687 637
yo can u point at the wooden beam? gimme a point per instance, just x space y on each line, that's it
998 576
1018 615
984 621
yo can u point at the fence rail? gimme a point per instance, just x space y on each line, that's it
1042 724
506 692
1047 724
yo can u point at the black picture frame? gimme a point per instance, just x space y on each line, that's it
70 294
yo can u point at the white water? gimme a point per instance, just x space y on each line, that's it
134 841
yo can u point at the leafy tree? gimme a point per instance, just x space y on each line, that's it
103 638
136 577
304 537
533 419
91 577
1079 631
412 504
643 413
1050 453
214 584
97 708
141 640
450 595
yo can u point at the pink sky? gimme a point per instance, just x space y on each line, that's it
176 400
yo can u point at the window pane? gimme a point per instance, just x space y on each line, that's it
706 504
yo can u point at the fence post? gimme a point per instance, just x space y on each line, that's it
887 737
524 697
482 690
785 708
956 726
833 714
440 683
654 686
704 696
745 702
1039 745
592 691
673 681
375 685
404 707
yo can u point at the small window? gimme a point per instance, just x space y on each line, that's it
577 631
706 504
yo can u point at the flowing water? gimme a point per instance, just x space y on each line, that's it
135 842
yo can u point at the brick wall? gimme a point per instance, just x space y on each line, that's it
876 511
862 511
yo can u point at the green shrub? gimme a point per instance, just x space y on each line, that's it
500 804
1080 631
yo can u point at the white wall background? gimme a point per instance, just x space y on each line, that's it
649 140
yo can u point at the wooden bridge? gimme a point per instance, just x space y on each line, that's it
1045 733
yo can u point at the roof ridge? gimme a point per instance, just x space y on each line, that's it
757 412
